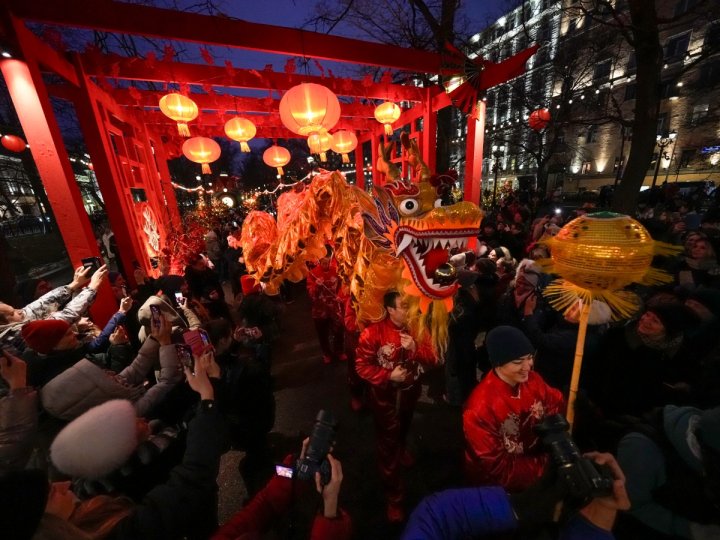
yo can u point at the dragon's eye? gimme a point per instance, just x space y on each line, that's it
409 206
438 203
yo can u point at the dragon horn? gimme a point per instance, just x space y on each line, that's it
384 165
414 158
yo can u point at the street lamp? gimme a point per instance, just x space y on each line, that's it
663 141
497 152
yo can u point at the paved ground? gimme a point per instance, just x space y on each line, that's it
304 386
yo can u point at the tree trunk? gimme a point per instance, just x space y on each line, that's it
649 55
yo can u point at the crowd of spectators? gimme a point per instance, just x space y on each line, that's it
101 438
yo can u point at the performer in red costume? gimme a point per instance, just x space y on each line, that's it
389 358
323 285
501 447
358 387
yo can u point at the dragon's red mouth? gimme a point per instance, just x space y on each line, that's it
425 251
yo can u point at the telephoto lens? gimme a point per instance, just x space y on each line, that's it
321 441
583 479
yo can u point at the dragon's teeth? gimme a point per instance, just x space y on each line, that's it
406 241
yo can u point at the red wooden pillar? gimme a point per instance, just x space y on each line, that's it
429 133
360 166
374 142
108 177
172 212
32 104
474 155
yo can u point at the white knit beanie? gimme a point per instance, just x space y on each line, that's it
97 442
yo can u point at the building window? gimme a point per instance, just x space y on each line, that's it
699 113
712 36
661 123
710 74
683 6
631 63
676 47
668 89
630 91
591 135
688 154
586 167
602 70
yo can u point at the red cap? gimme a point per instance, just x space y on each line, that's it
44 335
249 285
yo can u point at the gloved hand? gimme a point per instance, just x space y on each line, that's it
537 505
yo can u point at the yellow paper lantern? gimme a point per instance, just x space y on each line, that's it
240 130
276 156
308 108
387 113
344 142
180 108
320 143
201 150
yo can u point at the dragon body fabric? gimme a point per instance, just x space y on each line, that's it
397 239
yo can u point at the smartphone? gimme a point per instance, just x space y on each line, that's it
285 472
235 224
185 356
178 298
155 316
124 291
91 262
198 340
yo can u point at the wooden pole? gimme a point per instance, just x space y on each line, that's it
577 364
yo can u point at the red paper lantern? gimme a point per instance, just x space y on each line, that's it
539 119
276 156
387 113
344 142
13 143
180 108
240 130
201 150
308 108
320 143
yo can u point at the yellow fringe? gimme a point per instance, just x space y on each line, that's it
665 249
562 295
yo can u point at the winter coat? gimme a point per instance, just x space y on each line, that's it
182 320
186 505
85 385
477 512
501 447
273 503
18 426
48 307
663 474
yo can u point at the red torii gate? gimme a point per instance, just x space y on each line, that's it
123 142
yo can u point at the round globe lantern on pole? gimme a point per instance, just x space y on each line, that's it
180 108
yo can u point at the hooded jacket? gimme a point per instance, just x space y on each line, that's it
85 385
664 474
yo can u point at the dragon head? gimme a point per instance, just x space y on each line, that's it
415 226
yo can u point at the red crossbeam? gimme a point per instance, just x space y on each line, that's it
170 24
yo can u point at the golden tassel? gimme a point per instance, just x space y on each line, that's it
280 171
388 129
323 156
206 168
244 146
346 159
183 129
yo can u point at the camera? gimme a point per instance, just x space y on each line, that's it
321 440
583 479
